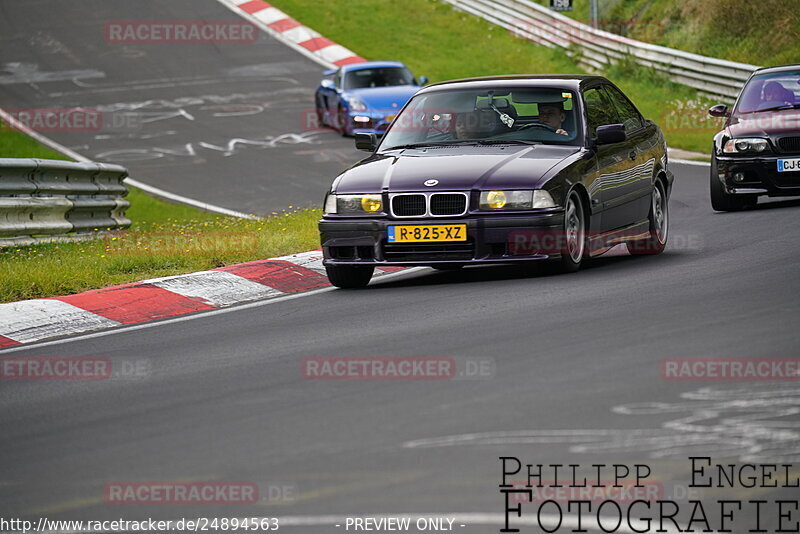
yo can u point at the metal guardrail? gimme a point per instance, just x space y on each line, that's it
40 199
595 48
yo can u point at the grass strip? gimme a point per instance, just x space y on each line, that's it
165 239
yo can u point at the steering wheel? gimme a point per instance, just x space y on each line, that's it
537 124
441 126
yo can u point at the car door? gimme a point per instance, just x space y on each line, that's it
632 203
606 184
330 96
338 83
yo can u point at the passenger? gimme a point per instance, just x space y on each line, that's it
552 114
473 124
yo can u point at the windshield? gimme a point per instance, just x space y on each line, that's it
769 91
487 116
380 77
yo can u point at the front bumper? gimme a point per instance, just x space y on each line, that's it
760 176
378 121
364 241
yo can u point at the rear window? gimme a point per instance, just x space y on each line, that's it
380 77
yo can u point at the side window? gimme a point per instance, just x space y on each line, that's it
337 78
598 110
628 114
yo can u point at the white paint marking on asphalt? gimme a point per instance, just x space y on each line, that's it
205 206
17 125
690 162
756 424
31 320
218 288
204 314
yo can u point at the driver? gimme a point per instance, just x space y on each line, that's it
552 114
775 92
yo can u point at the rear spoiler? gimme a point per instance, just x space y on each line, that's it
329 72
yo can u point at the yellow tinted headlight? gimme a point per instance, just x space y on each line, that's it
371 203
496 200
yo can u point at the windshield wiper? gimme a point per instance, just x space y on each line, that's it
778 108
462 142
508 142
436 143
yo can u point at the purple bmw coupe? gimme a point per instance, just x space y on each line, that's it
501 169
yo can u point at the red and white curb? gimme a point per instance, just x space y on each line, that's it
302 38
29 321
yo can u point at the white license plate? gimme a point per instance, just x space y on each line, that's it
788 165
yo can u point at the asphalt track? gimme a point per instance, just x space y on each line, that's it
230 124
571 357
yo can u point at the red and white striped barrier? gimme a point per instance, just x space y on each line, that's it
28 321
302 38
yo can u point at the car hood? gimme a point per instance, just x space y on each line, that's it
458 168
388 98
764 124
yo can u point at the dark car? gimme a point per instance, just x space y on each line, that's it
497 170
758 151
364 97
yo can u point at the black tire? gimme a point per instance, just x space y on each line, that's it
659 225
349 276
722 201
573 247
320 114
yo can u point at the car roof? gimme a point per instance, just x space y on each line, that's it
572 81
371 65
778 68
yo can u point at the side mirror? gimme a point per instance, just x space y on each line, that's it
327 83
610 134
366 141
423 80
720 110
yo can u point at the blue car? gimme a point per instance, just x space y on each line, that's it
364 97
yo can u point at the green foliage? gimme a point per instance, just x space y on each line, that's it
763 33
